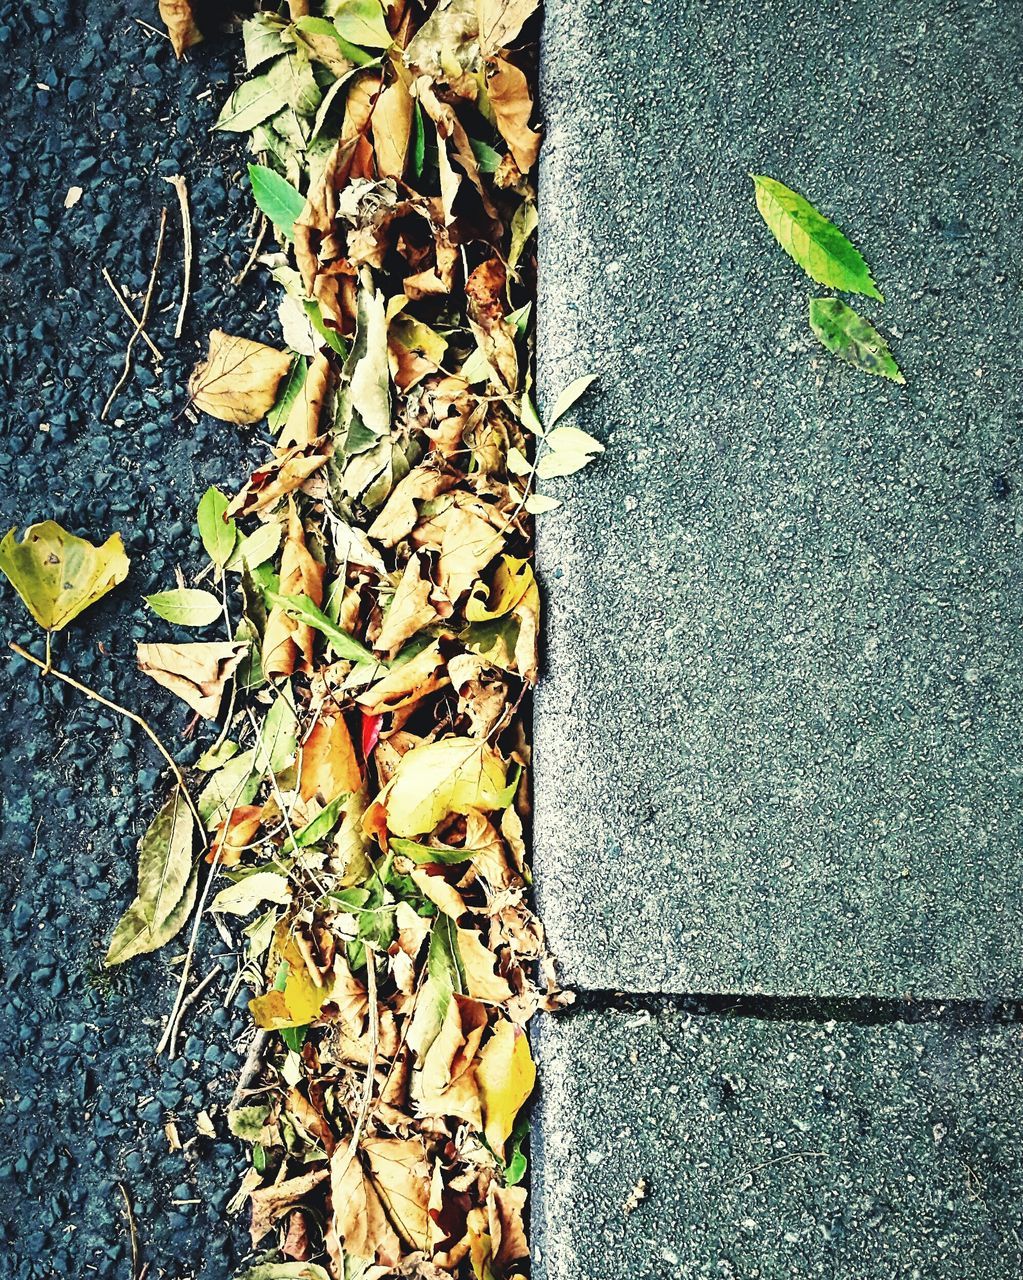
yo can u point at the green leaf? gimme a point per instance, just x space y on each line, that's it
285 1271
218 535
515 1169
278 739
330 336
811 241
287 393
294 1037
246 895
487 159
847 335
258 547
262 37
302 608
418 148
425 853
277 198
251 103
570 395
187 606
319 828
234 784
217 756
58 575
360 21
165 872
247 1122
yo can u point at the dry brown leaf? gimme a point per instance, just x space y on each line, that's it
400 512
238 380
328 764
479 964
401 1174
467 543
405 685
485 291
410 609
235 834
505 1209
509 94
392 130
273 1202
380 1205
197 673
482 692
283 475
500 21
179 19
442 894
445 1084
287 642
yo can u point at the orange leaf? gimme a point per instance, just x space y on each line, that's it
329 766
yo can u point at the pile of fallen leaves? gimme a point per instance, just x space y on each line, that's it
361 814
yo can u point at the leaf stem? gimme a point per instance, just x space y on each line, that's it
46 669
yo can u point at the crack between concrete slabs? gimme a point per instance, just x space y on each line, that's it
855 1010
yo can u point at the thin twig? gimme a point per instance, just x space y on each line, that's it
257 244
371 1066
250 1068
131 715
132 1231
180 186
188 1001
131 315
141 321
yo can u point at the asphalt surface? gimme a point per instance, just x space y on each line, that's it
96 100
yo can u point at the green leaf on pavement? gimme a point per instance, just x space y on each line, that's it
187 606
847 335
218 535
811 241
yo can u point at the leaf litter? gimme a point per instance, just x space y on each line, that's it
363 812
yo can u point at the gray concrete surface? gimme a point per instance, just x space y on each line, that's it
778 744
777 1150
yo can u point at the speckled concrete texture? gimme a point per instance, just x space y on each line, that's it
778 1150
778 743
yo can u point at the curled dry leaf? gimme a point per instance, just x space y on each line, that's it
197 673
287 642
513 106
58 575
179 19
238 380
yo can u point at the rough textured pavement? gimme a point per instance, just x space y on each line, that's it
778 745
787 1150
95 100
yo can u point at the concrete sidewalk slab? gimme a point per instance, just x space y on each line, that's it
775 1150
778 744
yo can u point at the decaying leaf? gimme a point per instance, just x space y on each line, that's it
847 335
166 884
58 575
510 97
238 380
811 241
197 673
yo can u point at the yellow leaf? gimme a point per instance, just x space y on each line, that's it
392 129
238 380
439 778
58 575
505 1075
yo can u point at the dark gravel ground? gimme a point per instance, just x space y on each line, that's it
96 100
